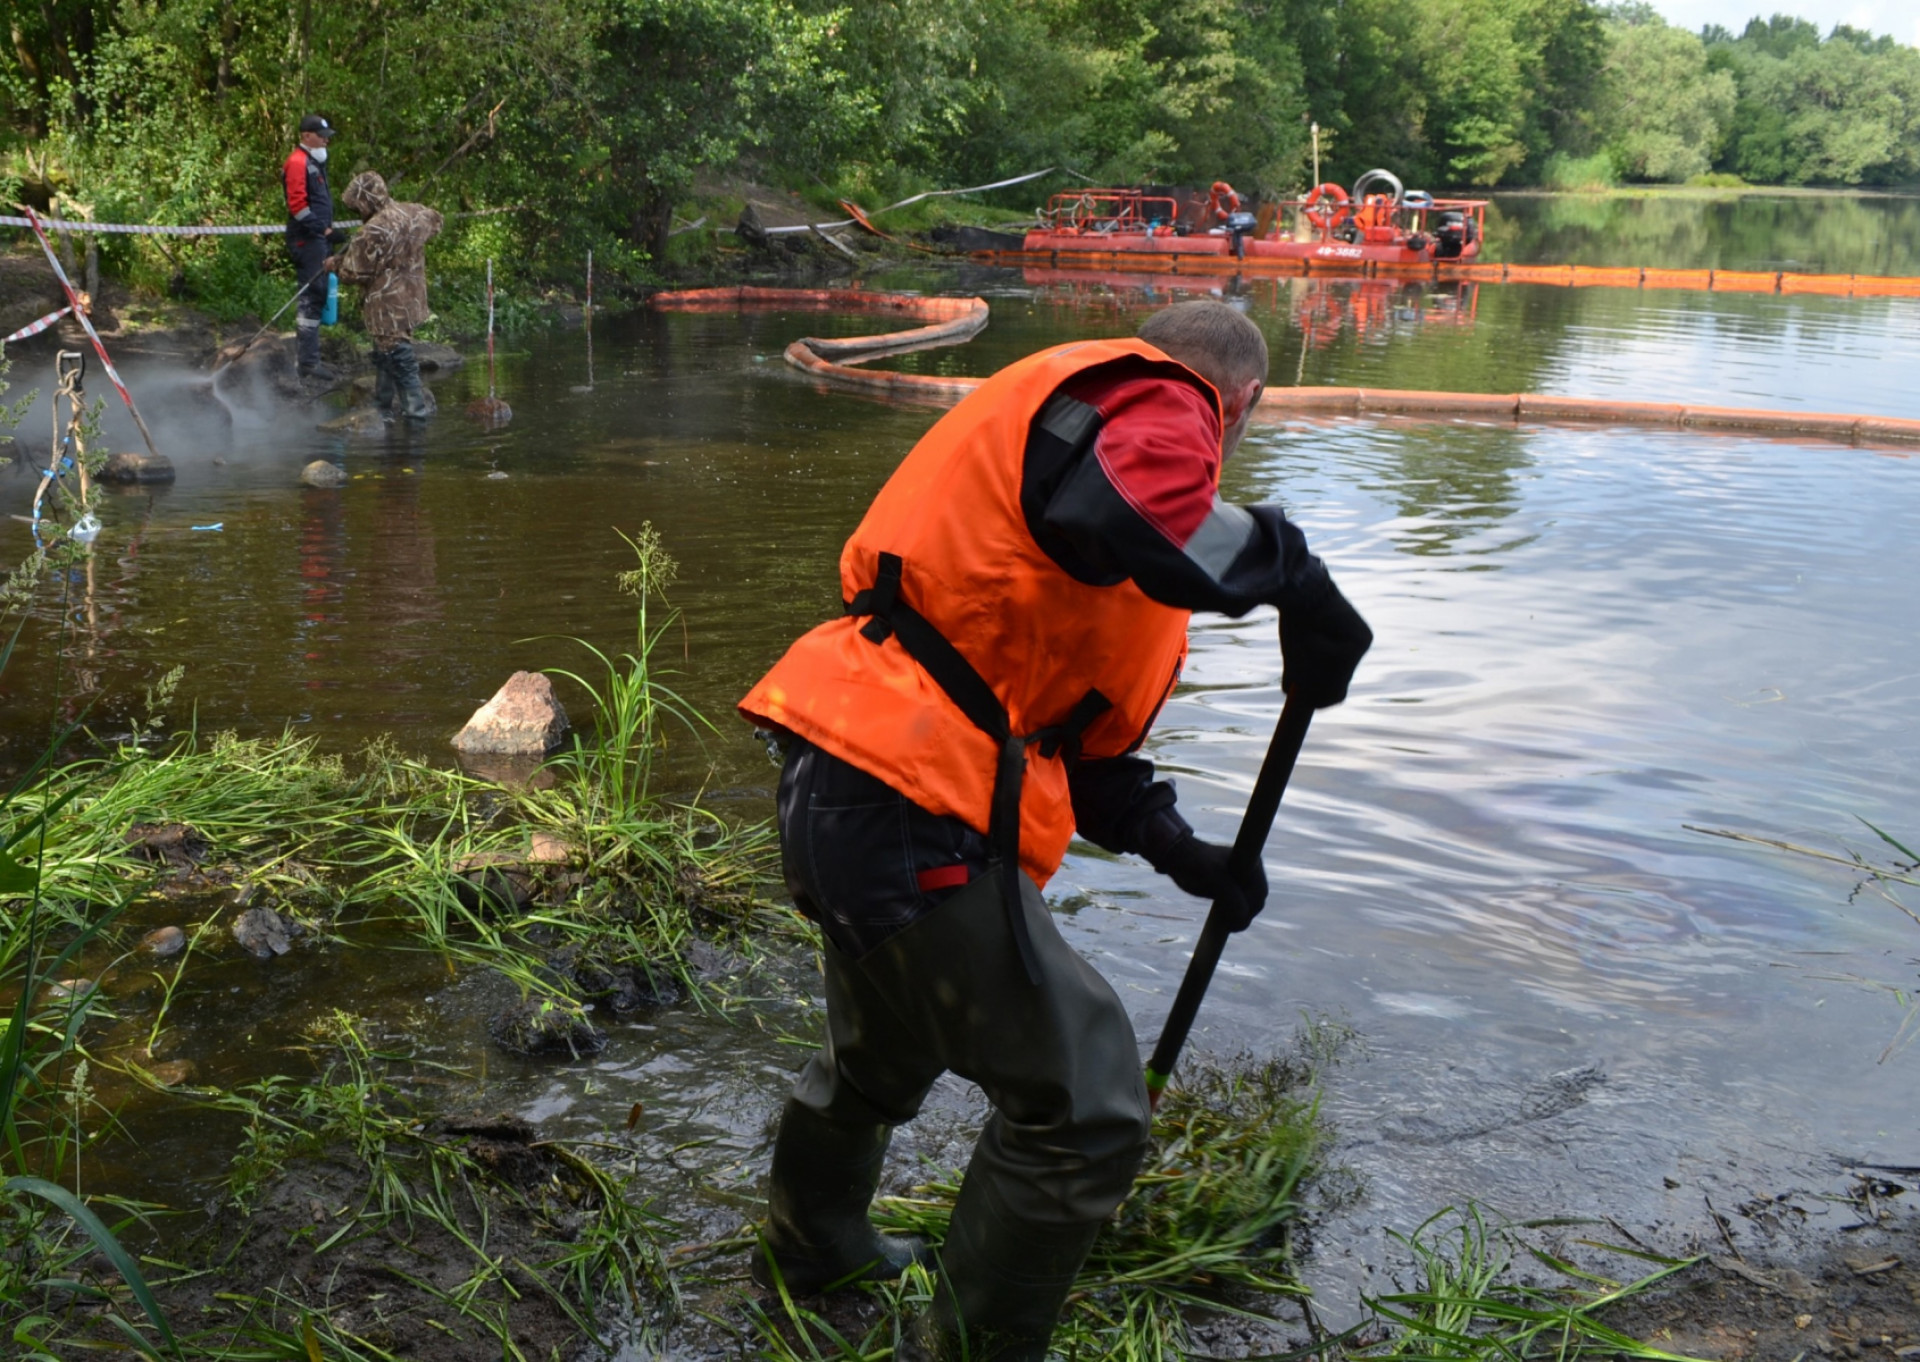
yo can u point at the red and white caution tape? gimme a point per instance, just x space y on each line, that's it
247 229
73 302
35 328
145 229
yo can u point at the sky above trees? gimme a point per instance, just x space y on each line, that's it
1899 18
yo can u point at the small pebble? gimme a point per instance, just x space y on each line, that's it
70 988
164 941
495 476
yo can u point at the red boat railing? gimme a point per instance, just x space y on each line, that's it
1328 214
1105 212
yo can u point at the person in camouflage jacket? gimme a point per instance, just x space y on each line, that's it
387 259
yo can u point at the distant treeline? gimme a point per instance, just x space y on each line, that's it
601 114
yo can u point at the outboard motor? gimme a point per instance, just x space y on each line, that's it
1453 235
1240 225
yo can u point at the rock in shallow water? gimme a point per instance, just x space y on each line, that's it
545 1026
171 1073
320 473
637 986
164 941
358 421
437 359
490 412
174 845
136 468
264 934
523 717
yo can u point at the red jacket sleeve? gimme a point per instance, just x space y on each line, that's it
294 172
1159 446
1143 502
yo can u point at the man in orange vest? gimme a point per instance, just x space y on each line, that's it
1017 600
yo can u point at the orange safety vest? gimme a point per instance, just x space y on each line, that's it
969 664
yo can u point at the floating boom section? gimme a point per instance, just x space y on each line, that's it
953 320
949 322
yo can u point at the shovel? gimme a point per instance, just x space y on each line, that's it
1248 845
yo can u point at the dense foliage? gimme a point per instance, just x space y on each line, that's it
603 115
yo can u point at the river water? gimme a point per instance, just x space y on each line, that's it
1590 642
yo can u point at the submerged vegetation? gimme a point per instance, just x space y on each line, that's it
584 886
1885 877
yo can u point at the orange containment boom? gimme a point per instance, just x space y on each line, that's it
1566 276
949 322
953 320
1542 408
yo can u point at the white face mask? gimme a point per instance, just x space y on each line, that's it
319 155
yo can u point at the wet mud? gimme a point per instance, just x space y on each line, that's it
1850 1292
469 1278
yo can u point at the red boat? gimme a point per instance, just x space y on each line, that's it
1377 221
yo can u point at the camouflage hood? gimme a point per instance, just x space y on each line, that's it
366 194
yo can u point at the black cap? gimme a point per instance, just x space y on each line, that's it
315 123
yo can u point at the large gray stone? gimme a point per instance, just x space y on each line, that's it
136 468
264 934
437 359
259 370
524 717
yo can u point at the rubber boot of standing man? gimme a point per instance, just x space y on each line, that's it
388 260
310 239
1017 599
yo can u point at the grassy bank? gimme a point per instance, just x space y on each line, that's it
360 1212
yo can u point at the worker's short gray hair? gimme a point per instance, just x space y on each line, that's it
1211 339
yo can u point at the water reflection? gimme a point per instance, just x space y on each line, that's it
1819 232
1452 494
1375 310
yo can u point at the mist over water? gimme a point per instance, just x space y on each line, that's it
1589 639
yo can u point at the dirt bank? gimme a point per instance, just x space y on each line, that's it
1845 1292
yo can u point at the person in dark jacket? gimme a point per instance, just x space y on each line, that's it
1046 540
310 238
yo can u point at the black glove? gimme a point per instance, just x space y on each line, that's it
1321 648
1201 869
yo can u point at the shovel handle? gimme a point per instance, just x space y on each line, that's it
1248 846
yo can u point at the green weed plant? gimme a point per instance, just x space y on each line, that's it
1469 1308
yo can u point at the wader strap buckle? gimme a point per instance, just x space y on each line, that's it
878 600
969 691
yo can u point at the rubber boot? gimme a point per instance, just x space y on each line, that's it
1002 1282
306 347
385 390
406 378
824 1177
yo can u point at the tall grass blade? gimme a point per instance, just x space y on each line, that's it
104 1240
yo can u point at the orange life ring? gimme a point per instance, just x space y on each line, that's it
1222 201
1323 217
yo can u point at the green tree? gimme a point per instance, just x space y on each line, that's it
679 85
1662 110
1843 111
